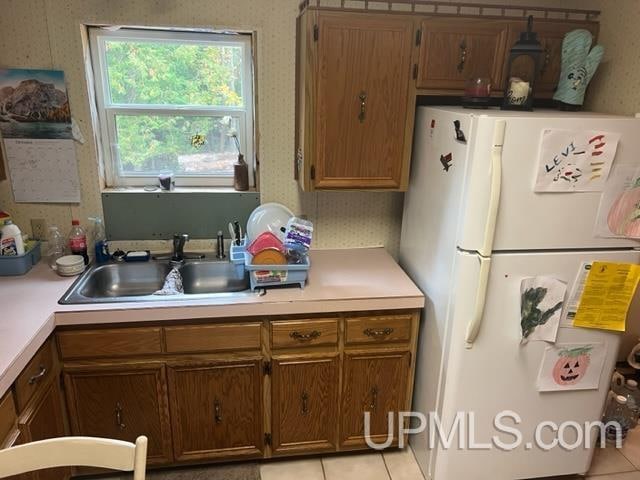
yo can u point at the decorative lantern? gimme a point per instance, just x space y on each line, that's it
524 64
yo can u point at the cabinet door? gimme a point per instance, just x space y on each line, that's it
453 50
364 71
121 401
375 383
42 419
304 404
216 409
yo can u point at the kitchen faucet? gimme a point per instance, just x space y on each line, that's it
179 239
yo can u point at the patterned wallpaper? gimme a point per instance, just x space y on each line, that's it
46 34
615 87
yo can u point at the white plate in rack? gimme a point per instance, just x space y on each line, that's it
268 217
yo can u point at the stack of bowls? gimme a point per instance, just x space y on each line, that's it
70 265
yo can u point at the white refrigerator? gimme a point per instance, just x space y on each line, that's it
472 229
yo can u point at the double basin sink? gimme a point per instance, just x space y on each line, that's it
137 281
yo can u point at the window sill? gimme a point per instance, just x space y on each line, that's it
177 190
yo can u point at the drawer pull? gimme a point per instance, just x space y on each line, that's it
374 398
217 407
305 337
378 333
305 403
38 376
119 423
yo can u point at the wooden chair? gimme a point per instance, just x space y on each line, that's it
76 452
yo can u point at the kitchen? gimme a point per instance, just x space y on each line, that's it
47 35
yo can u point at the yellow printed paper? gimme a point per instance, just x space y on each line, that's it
607 294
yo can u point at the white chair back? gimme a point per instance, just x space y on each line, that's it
76 452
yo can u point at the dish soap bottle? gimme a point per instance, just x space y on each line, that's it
78 241
100 240
11 242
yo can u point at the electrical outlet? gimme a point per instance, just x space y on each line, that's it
39 228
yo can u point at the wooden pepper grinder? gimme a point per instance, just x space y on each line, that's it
241 174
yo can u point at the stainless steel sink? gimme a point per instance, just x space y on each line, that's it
135 282
212 277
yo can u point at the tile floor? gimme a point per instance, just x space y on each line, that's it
396 465
608 464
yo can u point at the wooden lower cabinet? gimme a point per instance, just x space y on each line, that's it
373 382
42 419
304 402
216 409
121 401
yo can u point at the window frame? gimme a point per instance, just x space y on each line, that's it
106 113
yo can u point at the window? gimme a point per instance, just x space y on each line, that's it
172 101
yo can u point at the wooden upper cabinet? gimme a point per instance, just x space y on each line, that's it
454 50
374 383
121 401
216 409
550 35
43 419
357 92
304 404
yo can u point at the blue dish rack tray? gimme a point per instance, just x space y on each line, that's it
269 275
20 264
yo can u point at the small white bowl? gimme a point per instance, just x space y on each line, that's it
70 265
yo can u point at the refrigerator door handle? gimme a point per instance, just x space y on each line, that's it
481 295
494 188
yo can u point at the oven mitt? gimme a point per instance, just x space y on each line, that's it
579 63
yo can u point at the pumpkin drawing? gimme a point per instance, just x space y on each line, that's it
572 365
624 215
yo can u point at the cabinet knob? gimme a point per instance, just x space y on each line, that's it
374 398
363 106
217 407
463 55
547 59
305 403
119 423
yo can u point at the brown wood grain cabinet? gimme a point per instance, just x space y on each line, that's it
453 50
216 409
354 102
304 400
374 382
42 419
121 401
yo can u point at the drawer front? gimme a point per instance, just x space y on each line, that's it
378 329
213 338
110 342
7 415
37 373
304 333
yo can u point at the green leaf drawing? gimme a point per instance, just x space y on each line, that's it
531 316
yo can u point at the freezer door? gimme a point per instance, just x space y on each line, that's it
536 221
499 374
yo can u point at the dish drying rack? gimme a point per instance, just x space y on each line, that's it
269 275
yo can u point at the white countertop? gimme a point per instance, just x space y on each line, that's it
339 281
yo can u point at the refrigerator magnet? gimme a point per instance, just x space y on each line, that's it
446 160
459 133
